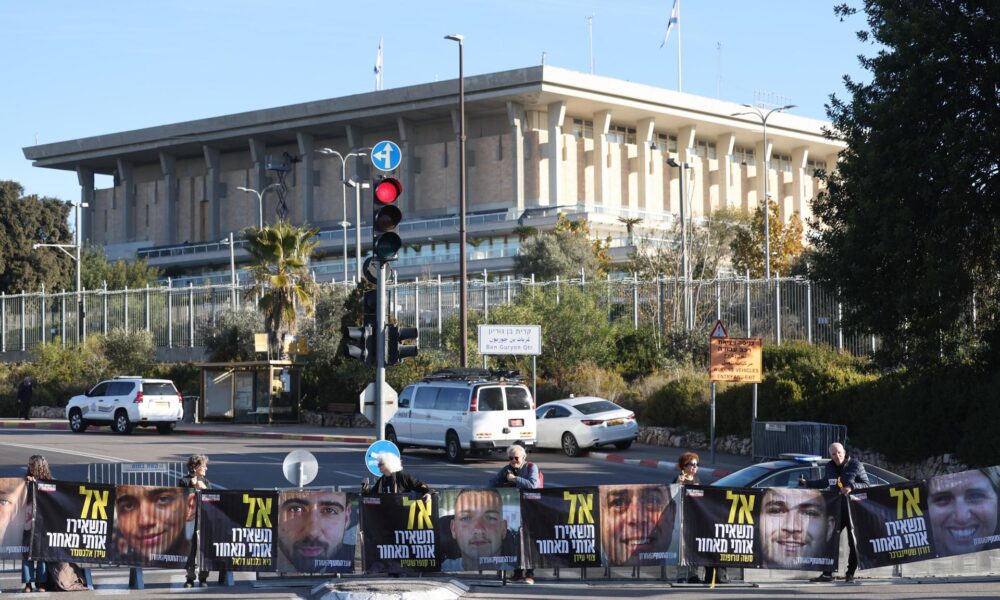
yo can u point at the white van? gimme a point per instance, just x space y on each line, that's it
464 410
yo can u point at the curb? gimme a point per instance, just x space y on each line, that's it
654 464
302 437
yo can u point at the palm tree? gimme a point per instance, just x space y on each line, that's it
630 223
280 271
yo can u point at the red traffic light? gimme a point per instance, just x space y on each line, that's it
388 190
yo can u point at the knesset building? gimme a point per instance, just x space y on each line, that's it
540 141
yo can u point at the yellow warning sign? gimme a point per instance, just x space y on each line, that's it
735 359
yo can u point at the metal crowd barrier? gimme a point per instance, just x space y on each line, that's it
771 439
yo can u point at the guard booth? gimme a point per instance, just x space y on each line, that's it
266 391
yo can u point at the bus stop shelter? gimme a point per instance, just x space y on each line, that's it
266 391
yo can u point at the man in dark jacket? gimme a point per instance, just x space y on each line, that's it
24 392
846 474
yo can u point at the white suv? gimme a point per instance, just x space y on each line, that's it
125 403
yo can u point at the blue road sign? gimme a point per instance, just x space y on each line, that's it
386 156
371 461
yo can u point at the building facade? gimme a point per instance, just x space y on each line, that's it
540 141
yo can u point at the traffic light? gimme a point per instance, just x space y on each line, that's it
397 351
361 343
386 217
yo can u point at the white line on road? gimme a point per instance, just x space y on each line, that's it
73 452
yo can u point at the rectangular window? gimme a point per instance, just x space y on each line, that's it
815 165
518 399
744 155
781 162
490 399
583 129
426 397
704 149
666 142
620 135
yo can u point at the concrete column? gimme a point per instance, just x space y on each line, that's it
127 183
86 178
602 123
800 195
764 157
307 157
645 170
409 178
724 145
557 114
213 160
168 167
515 118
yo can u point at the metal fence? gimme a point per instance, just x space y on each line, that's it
779 310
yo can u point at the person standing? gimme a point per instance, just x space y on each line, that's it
35 571
687 464
846 474
197 467
394 479
24 392
522 475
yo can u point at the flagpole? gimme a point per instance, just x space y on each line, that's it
679 87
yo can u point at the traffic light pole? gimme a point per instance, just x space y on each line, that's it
380 353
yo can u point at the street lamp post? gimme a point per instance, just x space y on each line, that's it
358 186
685 274
80 329
463 272
755 111
343 186
232 268
260 201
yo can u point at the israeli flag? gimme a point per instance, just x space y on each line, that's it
672 22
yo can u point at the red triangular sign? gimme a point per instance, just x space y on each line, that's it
719 331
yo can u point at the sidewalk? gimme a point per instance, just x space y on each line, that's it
653 457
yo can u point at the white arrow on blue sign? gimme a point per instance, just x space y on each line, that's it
386 156
371 459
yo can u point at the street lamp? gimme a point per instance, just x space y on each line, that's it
260 201
80 329
463 273
343 186
358 186
684 243
757 112
232 267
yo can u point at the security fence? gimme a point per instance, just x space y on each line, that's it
779 310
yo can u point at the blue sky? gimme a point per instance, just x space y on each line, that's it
76 69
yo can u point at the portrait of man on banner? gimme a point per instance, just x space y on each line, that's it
14 517
721 527
639 524
798 527
962 509
317 531
479 529
153 525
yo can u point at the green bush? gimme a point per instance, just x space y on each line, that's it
231 338
129 352
638 351
588 379
683 402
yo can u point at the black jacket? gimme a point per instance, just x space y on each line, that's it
399 482
850 474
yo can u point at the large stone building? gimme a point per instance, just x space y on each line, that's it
540 140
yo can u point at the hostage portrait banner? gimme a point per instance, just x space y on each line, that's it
797 528
890 524
560 527
14 522
153 526
237 530
400 533
317 531
73 521
639 524
479 529
962 510
718 526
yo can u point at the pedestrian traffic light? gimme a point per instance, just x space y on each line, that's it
361 343
397 351
385 241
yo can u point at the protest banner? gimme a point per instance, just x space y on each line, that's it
13 518
73 521
560 527
237 530
479 529
640 524
400 533
153 526
317 531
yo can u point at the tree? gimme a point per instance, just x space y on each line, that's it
118 275
709 247
907 229
29 220
630 223
232 337
786 243
563 251
280 256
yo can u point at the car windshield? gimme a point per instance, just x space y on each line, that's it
158 389
743 477
590 408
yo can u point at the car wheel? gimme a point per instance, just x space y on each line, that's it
570 445
76 422
453 448
122 424
623 445
165 428
390 435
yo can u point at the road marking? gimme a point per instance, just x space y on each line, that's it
72 452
